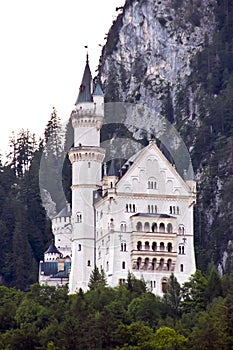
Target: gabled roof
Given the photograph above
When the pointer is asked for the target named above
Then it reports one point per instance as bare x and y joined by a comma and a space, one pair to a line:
136, 159
85, 87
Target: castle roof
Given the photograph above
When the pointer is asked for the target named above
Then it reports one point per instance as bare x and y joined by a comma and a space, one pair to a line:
64, 212
85, 87
98, 91
52, 249
155, 215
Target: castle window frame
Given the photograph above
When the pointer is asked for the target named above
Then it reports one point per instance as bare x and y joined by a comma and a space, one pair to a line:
79, 217
169, 228
139, 245
123, 265
139, 226
181, 249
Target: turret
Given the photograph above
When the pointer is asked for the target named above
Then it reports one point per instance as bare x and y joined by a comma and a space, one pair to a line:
86, 157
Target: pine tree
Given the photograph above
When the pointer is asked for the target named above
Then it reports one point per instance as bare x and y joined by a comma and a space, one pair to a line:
97, 279
173, 296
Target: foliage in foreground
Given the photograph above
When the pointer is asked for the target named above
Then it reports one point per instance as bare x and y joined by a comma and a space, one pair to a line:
127, 317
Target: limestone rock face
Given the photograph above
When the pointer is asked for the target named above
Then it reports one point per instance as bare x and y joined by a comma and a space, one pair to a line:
149, 48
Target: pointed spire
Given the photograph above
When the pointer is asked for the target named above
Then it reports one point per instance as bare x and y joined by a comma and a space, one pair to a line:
85, 87
52, 248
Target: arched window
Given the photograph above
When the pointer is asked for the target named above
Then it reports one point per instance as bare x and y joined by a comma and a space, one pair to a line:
147, 227
123, 265
161, 247
154, 246
162, 227
107, 266
146, 264
169, 247
121, 247
127, 208
177, 210
88, 263
79, 247
134, 208
123, 227
154, 227
181, 230
161, 264
153, 264
139, 226
164, 285
181, 268
139, 261
139, 245
181, 249
124, 247
169, 228
170, 209
147, 246
169, 264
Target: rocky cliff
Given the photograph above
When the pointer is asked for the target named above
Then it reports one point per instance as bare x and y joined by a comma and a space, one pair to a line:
165, 55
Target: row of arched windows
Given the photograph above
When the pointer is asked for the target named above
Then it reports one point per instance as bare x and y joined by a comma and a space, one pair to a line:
154, 247
154, 227
154, 264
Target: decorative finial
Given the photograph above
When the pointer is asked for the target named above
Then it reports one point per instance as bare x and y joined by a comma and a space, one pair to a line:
87, 59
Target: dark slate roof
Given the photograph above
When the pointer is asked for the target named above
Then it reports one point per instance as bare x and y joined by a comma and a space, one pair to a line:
49, 268
53, 249
98, 91
85, 87
112, 171
148, 215
64, 212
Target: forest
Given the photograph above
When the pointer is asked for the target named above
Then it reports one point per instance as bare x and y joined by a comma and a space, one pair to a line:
128, 317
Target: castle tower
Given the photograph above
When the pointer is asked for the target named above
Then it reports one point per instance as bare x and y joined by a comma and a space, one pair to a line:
86, 157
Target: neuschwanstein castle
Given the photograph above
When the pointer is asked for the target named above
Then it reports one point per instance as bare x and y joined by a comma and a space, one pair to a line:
139, 219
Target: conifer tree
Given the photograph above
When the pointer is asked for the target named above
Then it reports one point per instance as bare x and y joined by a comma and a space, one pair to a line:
97, 279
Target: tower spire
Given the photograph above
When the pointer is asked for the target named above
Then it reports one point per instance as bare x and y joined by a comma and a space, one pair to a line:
85, 89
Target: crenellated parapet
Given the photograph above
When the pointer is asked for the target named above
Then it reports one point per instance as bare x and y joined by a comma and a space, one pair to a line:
87, 117
86, 153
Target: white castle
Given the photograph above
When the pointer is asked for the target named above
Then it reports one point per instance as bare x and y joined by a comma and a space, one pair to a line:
138, 220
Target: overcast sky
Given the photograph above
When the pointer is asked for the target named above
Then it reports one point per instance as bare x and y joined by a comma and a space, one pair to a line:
43, 56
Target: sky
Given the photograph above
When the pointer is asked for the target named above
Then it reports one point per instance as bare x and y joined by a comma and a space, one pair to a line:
42, 58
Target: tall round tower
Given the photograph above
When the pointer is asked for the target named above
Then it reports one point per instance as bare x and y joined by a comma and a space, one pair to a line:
86, 157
